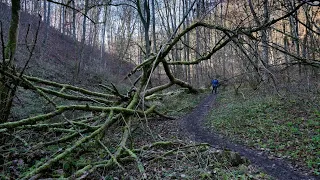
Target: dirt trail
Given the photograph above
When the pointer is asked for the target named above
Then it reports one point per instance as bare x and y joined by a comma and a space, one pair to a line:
193, 124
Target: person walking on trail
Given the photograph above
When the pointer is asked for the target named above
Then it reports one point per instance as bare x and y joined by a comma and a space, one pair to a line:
215, 84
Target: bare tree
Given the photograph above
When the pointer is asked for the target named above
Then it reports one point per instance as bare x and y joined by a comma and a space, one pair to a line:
6, 87
82, 43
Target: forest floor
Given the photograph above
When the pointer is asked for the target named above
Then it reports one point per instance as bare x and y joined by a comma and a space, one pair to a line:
193, 124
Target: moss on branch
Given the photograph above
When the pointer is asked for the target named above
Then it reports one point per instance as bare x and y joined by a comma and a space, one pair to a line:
72, 97
61, 109
105, 109
31, 120
175, 80
70, 87
139, 163
62, 155
158, 88
108, 163
61, 140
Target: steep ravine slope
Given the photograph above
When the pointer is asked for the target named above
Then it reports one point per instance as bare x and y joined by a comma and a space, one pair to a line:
56, 59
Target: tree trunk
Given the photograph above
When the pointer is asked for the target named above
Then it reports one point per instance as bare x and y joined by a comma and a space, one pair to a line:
44, 11
102, 50
144, 14
82, 45
286, 58
63, 20
74, 20
154, 27
265, 51
6, 90
295, 32
47, 20
264, 34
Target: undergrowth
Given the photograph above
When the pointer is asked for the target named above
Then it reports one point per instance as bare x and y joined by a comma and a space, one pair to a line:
161, 152
197, 163
287, 126
178, 103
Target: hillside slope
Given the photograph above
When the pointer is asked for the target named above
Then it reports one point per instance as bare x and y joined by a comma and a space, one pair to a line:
55, 60
57, 57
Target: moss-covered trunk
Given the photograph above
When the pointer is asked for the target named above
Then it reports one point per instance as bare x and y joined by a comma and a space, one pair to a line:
7, 90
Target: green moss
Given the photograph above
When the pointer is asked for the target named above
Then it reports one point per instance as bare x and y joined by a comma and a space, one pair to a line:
285, 126
178, 103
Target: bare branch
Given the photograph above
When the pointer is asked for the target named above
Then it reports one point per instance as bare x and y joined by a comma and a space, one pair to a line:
68, 6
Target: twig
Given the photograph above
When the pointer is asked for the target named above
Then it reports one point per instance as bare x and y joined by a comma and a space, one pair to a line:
61, 140
62, 155
25, 143
32, 48
177, 149
140, 165
111, 155
113, 90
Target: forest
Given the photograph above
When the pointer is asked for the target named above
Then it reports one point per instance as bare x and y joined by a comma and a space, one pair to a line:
121, 89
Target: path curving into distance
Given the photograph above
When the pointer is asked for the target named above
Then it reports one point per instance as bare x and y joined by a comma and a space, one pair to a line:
193, 125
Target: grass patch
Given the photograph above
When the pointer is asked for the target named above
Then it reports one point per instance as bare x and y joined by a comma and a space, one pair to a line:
287, 127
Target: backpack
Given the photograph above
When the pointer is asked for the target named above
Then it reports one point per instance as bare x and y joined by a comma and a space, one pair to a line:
215, 82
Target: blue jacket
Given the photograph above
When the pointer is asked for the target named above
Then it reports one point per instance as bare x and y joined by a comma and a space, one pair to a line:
215, 82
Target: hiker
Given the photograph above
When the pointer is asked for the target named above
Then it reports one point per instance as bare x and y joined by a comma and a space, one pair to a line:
215, 84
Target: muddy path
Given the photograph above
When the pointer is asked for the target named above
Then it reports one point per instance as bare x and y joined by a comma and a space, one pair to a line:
193, 125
